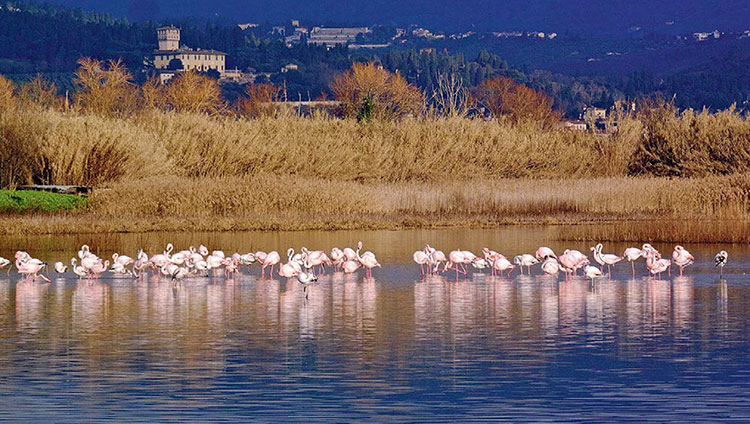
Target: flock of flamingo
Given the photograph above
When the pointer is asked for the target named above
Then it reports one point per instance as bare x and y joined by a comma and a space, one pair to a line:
306, 263
429, 260
200, 261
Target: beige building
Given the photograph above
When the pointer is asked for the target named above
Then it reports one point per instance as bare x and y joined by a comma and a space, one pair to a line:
192, 59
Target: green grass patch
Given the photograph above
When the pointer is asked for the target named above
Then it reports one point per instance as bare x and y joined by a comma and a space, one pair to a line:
25, 201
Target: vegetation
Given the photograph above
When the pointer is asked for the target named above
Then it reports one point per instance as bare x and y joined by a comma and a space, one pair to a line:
178, 157
51, 40
26, 201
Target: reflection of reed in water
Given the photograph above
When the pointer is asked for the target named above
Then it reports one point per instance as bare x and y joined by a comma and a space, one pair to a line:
30, 301
682, 303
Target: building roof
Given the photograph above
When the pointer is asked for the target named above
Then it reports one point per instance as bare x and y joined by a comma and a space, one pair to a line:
190, 51
167, 27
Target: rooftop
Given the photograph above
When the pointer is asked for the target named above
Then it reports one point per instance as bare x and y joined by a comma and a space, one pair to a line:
167, 27
190, 51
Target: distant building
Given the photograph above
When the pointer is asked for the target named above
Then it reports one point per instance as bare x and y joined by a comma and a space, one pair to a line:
574, 125
247, 25
289, 67
279, 30
191, 59
331, 37
592, 114
295, 23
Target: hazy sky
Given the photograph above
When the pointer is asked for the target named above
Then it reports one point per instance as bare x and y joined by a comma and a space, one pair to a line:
547, 15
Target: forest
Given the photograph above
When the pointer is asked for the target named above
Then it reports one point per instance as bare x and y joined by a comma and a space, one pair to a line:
40, 38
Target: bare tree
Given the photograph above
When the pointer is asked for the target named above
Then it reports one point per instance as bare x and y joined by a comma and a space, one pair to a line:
450, 97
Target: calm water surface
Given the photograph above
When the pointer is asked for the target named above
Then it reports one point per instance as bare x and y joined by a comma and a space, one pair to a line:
389, 349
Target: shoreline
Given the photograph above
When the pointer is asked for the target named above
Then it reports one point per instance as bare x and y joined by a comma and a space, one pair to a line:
664, 229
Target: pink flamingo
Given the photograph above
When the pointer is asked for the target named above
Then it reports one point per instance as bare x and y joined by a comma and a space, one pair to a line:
369, 262
316, 258
436, 257
544, 252
501, 264
655, 264
457, 258
273, 258
605, 258
682, 258
30, 267
632, 254
350, 267
337, 255
98, 268
422, 259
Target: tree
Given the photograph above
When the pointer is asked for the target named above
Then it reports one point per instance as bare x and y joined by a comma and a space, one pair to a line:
391, 95
191, 92
258, 100
502, 96
105, 88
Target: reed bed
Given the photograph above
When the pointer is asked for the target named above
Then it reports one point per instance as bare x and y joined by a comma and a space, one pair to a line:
273, 202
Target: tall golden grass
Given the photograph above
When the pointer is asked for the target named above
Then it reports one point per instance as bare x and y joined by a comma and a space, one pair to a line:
171, 159
691, 207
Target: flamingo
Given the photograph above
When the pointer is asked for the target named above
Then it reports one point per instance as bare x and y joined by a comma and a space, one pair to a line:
98, 268
60, 268
525, 260
368, 261
436, 257
457, 258
479, 263
592, 272
422, 259
350, 267
3, 262
655, 264
632, 254
550, 266
605, 258
682, 258
77, 269
544, 253
720, 260
273, 258
501, 264
317, 258
30, 267
337, 255
306, 278
203, 250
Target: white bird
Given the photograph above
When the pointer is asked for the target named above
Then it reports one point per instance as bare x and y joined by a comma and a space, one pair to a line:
720, 260
525, 260
60, 268
550, 266
3, 262
631, 255
306, 278
592, 272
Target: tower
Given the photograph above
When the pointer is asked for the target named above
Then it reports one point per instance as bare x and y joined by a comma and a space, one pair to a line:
169, 38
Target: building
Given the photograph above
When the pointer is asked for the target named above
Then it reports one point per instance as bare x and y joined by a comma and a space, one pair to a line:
191, 59
574, 125
331, 37
289, 67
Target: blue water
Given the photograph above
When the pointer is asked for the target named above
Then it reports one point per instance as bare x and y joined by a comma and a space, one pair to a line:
390, 349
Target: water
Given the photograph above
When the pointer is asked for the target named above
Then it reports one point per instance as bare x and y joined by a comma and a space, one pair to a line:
388, 349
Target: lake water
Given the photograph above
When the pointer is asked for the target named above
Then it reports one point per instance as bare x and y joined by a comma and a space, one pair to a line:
389, 349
